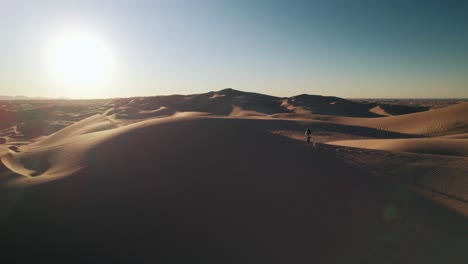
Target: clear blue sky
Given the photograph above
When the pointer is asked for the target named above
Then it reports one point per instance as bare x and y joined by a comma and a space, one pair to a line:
342, 48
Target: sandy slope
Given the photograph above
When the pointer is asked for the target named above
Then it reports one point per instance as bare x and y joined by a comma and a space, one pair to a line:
237, 103
447, 120
439, 146
225, 177
379, 111
327, 105
225, 102
450, 122
441, 178
205, 190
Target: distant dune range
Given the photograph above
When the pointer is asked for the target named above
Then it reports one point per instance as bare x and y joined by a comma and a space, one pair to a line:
443, 121
227, 177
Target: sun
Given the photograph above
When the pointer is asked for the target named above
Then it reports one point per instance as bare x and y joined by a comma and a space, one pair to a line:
80, 63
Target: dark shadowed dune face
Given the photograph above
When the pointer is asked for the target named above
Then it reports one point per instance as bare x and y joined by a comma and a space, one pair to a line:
330, 105
205, 190
394, 109
216, 103
224, 102
226, 177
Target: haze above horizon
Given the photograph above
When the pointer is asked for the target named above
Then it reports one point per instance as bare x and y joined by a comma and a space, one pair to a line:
350, 49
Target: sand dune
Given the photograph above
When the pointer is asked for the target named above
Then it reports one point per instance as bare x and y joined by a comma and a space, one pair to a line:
443, 121
438, 146
222, 102
385, 109
229, 101
328, 105
227, 177
205, 195
43, 117
379, 111
441, 178
61, 153
459, 136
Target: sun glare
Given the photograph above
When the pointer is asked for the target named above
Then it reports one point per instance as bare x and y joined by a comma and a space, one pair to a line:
80, 62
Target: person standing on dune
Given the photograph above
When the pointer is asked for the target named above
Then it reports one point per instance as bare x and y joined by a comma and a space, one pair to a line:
308, 134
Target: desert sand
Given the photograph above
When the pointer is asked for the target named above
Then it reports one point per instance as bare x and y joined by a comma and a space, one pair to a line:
227, 177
